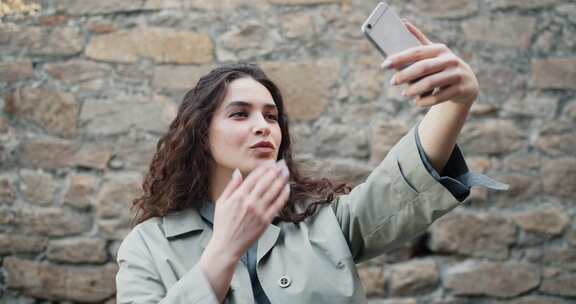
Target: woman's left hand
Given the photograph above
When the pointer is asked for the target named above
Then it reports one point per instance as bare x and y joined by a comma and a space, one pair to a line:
432, 65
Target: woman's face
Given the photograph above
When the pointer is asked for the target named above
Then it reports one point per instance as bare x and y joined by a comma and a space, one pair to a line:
244, 130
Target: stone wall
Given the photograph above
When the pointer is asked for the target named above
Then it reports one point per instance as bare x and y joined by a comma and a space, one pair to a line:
89, 86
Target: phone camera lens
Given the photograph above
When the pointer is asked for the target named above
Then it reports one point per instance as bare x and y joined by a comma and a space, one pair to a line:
369, 26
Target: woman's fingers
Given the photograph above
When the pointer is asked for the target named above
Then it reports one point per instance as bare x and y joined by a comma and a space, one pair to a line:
252, 178
445, 93
263, 184
278, 203
423, 68
429, 83
234, 182
274, 190
416, 32
411, 55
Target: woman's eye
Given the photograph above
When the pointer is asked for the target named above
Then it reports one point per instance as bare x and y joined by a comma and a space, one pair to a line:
272, 117
239, 114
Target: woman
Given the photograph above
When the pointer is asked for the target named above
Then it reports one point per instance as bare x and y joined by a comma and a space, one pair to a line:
226, 216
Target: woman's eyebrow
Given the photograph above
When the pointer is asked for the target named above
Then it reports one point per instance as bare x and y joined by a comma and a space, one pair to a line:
240, 103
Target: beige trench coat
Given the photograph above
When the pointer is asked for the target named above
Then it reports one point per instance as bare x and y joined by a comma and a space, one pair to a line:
310, 263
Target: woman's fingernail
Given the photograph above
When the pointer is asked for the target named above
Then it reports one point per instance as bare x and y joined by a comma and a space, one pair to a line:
386, 64
236, 174
393, 80
403, 93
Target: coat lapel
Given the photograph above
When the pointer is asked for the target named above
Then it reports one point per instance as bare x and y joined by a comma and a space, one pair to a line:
267, 241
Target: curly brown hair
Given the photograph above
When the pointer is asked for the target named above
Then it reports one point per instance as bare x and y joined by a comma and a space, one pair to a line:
179, 174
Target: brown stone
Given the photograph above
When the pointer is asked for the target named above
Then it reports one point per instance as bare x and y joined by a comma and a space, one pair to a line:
14, 244
207, 5
101, 27
299, 25
367, 84
117, 193
51, 222
158, 44
563, 257
61, 41
537, 300
92, 156
55, 41
480, 109
249, 40
133, 152
53, 111
88, 7
534, 104
507, 279
550, 221
570, 110
114, 229
107, 117
571, 237
445, 9
76, 71
506, 31
46, 153
46, 281
7, 193
304, 82
520, 163
562, 285
523, 4
479, 164
52, 153
336, 169
14, 39
414, 277
492, 137
81, 188
490, 79
523, 187
557, 138
334, 140
37, 187
554, 73
15, 71
559, 176
385, 135
54, 20
474, 235
373, 280
302, 2
84, 250
179, 78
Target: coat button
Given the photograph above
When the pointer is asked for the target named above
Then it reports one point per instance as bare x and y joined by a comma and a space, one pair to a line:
284, 281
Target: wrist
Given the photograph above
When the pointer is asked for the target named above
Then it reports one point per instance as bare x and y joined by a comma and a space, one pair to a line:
224, 253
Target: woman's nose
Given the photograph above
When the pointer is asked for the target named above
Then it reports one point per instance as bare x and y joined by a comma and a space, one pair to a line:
261, 126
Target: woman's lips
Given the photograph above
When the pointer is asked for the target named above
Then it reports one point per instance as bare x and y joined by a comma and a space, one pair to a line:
263, 149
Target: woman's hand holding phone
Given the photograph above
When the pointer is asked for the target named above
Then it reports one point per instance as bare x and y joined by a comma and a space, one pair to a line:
429, 66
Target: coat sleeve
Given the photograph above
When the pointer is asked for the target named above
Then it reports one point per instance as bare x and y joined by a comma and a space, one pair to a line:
139, 281
398, 200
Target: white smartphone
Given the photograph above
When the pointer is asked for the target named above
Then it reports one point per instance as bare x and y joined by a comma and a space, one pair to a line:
387, 33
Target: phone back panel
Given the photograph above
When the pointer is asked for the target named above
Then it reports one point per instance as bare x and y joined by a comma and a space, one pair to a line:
387, 32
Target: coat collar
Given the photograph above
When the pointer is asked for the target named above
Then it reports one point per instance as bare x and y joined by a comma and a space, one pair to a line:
189, 220
181, 222
267, 241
